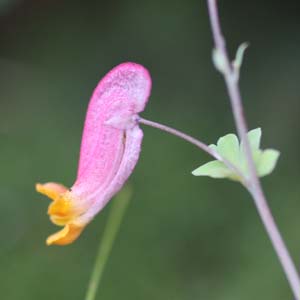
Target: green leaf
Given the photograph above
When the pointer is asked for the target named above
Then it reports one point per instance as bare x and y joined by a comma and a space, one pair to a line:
213, 147
219, 60
267, 162
214, 169
237, 63
254, 137
228, 148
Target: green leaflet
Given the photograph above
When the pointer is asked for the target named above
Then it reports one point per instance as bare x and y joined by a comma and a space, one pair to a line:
214, 169
237, 63
254, 137
267, 162
229, 148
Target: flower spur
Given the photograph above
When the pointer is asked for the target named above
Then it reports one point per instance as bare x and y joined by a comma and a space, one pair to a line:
110, 148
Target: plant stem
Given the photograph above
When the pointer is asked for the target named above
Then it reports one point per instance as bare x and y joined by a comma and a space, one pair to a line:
110, 232
254, 186
195, 142
182, 135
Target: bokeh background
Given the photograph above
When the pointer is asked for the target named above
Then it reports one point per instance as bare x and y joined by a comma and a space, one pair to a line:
183, 237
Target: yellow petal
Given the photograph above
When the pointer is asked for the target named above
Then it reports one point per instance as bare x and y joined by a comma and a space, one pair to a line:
65, 236
61, 221
51, 189
61, 207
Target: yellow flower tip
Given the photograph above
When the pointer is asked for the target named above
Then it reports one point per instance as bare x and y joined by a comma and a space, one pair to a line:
65, 236
61, 207
51, 189
61, 221
63, 211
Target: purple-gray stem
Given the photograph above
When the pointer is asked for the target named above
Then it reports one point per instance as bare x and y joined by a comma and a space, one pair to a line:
195, 142
182, 135
254, 186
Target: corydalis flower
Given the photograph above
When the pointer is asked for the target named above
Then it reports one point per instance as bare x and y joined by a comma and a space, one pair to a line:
110, 148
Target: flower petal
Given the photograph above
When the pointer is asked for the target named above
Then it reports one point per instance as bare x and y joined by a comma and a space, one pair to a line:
65, 236
122, 93
133, 142
52, 190
110, 148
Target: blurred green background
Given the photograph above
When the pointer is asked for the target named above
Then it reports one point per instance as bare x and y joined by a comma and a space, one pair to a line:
183, 237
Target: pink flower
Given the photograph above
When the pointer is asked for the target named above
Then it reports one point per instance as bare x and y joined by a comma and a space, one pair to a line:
110, 148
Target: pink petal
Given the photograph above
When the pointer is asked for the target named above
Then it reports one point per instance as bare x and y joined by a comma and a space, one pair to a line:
105, 160
134, 138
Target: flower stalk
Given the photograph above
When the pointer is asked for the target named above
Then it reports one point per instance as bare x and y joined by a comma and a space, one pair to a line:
254, 186
201, 145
